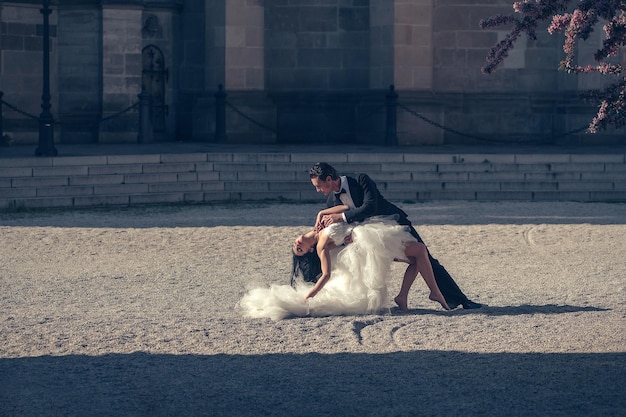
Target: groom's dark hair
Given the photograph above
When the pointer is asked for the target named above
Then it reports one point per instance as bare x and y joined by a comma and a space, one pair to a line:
322, 170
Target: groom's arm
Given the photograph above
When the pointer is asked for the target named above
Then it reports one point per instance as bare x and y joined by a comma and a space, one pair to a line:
371, 197
324, 217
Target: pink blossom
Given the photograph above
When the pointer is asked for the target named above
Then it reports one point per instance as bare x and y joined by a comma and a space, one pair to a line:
577, 20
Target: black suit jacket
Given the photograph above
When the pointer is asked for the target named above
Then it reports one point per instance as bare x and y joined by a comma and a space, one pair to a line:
368, 201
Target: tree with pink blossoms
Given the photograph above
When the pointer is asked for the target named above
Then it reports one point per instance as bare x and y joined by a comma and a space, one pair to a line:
577, 19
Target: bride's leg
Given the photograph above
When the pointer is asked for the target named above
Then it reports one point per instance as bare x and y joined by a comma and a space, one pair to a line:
420, 253
409, 277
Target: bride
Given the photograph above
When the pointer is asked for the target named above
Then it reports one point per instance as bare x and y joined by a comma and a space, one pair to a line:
344, 269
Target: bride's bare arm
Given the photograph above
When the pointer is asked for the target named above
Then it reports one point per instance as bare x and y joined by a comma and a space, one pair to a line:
324, 246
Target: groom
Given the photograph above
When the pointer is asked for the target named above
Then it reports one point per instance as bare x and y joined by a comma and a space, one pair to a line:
362, 196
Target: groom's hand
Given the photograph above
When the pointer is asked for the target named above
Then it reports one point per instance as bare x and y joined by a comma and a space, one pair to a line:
332, 218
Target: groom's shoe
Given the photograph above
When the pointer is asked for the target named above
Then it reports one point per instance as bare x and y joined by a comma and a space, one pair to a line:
468, 305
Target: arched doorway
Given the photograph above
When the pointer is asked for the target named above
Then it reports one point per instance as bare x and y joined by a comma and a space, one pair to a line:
153, 78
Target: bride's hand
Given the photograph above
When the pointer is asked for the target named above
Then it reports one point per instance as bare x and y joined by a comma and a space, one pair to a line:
323, 223
329, 219
318, 222
311, 294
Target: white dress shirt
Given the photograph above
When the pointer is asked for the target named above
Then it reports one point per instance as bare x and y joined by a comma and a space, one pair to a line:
346, 198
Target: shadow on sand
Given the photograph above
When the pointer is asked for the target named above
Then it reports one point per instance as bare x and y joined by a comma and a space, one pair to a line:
506, 310
280, 214
419, 383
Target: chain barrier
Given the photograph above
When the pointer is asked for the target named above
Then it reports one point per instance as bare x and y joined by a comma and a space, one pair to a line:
22, 112
119, 113
57, 122
544, 140
250, 119
104, 119
273, 130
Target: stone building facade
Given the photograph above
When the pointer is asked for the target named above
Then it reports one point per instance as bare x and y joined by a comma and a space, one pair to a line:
293, 71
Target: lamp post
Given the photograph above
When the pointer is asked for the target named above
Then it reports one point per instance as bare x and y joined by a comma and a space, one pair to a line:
46, 129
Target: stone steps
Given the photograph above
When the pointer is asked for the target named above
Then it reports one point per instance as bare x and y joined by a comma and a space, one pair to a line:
83, 181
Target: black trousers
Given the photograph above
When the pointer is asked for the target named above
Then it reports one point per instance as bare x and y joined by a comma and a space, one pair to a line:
450, 290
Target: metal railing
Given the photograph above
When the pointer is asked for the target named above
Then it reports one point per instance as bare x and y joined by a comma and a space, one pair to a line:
392, 105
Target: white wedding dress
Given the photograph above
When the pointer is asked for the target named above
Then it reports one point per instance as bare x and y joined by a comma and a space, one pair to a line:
360, 275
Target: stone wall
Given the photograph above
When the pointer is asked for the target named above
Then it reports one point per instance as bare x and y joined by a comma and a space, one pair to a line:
80, 67
411, 25
294, 71
95, 66
526, 99
244, 45
313, 46
460, 49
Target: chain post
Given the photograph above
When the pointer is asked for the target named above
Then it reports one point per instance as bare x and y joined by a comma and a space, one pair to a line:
220, 114
145, 121
391, 136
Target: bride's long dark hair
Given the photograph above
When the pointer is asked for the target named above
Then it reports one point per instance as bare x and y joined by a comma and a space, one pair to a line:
307, 265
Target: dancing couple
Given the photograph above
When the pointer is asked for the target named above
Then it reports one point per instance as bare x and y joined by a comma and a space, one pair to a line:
342, 265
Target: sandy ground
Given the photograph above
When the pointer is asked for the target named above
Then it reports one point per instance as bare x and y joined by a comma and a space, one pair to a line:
133, 312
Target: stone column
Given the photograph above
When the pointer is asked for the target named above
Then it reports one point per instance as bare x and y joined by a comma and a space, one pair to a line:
235, 58
244, 45
235, 44
401, 44
79, 73
121, 70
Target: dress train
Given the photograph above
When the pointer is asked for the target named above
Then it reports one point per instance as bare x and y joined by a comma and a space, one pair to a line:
360, 275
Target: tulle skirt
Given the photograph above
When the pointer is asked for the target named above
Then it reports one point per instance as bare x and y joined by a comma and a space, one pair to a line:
359, 280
